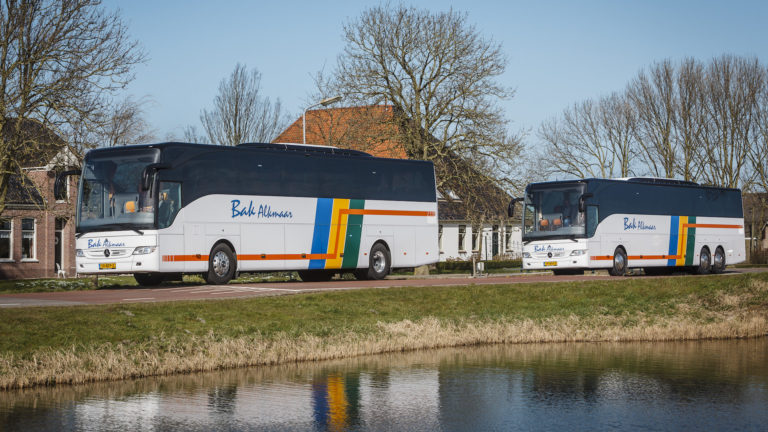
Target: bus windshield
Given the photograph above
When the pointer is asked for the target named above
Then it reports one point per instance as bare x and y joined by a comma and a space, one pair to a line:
111, 197
552, 212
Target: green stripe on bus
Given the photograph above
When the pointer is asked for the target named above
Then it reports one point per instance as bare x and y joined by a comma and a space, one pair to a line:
690, 246
354, 232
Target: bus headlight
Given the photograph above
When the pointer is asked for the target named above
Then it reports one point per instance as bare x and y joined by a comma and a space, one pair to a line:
80, 253
526, 255
144, 250
579, 252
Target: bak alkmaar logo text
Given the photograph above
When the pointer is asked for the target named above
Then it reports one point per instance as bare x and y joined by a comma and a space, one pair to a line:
263, 211
105, 243
634, 224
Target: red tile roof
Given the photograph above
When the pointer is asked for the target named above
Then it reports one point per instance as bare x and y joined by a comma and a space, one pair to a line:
367, 128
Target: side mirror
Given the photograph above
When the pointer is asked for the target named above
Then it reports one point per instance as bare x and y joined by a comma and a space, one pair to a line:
582, 205
511, 207
148, 173
59, 186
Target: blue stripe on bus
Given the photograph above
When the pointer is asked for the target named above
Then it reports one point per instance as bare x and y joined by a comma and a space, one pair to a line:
673, 238
322, 231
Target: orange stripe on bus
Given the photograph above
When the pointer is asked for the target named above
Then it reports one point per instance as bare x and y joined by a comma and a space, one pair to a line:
636, 257
181, 258
695, 225
334, 255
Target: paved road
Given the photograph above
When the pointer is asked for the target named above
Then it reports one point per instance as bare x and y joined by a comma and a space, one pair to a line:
209, 292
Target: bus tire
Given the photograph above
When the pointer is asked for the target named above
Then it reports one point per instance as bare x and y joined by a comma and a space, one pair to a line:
705, 261
620, 262
221, 265
718, 261
149, 279
316, 275
379, 262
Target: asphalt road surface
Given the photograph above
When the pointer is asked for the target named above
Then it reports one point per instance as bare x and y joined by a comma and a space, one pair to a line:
211, 292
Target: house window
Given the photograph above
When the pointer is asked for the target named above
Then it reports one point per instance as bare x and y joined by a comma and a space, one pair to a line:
475, 237
28, 239
462, 237
440, 237
6, 246
508, 237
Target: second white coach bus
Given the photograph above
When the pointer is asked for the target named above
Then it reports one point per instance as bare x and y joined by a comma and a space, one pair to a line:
159, 211
655, 224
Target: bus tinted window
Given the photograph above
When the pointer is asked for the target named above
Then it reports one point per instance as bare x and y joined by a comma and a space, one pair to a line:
637, 198
275, 173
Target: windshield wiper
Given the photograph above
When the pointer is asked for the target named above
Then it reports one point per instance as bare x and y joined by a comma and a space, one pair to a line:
129, 227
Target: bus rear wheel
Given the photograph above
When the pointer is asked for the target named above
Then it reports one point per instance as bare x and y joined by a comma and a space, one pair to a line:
316, 275
149, 279
718, 263
619, 262
705, 261
221, 265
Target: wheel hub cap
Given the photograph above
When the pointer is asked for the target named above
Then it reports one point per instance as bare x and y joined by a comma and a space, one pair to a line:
220, 264
379, 262
618, 262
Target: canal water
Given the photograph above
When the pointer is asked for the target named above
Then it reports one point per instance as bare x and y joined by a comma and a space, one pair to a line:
710, 385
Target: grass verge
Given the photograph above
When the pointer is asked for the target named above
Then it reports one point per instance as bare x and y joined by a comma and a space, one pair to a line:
94, 343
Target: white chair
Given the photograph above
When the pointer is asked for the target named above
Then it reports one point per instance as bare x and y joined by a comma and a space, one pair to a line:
60, 272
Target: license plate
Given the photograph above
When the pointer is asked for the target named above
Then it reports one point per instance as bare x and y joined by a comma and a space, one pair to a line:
550, 263
106, 266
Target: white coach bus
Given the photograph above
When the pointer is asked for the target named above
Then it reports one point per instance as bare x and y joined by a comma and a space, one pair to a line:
655, 224
159, 211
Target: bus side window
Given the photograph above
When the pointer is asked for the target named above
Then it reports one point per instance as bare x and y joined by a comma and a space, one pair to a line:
169, 203
592, 219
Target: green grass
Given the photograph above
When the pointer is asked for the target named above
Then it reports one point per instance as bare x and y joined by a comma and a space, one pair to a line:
26, 330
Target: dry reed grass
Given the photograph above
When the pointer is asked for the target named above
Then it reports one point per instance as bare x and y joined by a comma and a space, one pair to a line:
170, 356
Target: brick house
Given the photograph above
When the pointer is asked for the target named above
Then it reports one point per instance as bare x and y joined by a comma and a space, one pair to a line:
373, 129
37, 231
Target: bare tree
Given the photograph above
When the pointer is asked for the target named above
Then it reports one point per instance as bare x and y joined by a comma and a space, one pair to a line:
439, 73
733, 85
591, 139
60, 61
126, 125
240, 113
690, 120
653, 96
619, 121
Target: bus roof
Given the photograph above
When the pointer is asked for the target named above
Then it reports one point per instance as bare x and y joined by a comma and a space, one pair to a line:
658, 181
306, 148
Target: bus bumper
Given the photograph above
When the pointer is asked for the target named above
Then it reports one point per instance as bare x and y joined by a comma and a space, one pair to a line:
554, 255
568, 262
131, 264
117, 254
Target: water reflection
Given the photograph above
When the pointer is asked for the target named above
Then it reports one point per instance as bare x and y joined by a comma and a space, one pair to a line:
667, 386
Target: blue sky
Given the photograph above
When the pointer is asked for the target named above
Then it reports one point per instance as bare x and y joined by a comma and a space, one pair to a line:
559, 52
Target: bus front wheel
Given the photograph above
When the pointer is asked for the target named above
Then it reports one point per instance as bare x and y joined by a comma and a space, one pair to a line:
619, 262
379, 262
221, 265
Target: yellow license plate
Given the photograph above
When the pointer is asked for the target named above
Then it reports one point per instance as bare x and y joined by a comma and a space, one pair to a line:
550, 263
106, 266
